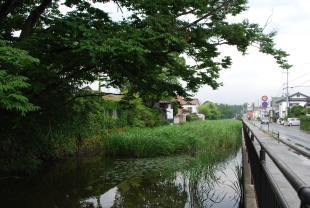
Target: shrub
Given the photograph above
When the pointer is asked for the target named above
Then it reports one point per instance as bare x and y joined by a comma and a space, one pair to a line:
190, 118
305, 123
142, 116
83, 124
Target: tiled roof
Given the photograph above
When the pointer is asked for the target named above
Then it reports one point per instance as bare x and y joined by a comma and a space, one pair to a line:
298, 93
194, 101
87, 88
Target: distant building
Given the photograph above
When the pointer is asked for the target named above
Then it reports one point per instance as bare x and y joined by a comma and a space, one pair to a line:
274, 106
292, 100
257, 112
190, 106
167, 110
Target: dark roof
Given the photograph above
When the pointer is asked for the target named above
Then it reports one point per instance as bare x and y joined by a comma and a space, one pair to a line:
299, 94
192, 101
87, 88
164, 101
290, 98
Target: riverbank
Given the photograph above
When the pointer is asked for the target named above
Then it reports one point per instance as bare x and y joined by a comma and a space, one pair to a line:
187, 139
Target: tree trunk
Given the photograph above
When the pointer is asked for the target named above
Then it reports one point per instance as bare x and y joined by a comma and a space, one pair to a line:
33, 18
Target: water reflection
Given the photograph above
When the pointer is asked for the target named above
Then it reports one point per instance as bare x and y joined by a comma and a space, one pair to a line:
104, 182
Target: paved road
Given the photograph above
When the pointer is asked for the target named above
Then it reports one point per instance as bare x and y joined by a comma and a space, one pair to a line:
291, 134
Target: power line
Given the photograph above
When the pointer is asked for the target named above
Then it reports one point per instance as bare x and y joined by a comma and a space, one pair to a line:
304, 83
300, 86
302, 68
279, 91
299, 77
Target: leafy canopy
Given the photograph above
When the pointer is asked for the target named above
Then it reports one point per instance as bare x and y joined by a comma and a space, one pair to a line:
210, 110
11, 85
142, 53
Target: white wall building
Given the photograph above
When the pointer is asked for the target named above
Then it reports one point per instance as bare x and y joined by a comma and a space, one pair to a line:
190, 106
257, 112
294, 99
167, 109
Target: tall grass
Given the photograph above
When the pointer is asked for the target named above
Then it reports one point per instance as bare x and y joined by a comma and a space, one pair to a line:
238, 185
201, 138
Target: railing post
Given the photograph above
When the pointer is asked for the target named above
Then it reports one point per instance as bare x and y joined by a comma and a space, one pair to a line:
252, 137
263, 180
262, 155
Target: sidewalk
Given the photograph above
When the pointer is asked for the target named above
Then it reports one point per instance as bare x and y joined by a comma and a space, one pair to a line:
300, 165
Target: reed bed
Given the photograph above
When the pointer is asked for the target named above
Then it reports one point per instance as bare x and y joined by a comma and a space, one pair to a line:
205, 139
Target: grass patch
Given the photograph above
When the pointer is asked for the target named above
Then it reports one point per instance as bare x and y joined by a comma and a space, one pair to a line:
299, 145
204, 137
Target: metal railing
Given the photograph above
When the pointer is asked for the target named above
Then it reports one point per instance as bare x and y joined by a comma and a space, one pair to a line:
267, 192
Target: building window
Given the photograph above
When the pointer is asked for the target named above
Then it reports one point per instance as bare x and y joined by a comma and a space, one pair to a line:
107, 113
115, 114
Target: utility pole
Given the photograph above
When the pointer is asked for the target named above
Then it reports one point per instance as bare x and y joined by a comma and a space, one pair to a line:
287, 103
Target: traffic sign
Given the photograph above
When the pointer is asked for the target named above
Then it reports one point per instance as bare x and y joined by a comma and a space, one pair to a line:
264, 98
264, 104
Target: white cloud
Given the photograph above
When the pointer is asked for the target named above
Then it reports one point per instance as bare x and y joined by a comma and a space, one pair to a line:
256, 74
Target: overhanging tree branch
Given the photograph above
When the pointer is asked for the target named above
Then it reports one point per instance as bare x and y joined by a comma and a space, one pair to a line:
8, 6
224, 6
88, 95
33, 18
185, 13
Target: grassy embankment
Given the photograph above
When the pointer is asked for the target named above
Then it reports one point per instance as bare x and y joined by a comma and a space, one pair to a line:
208, 139
214, 137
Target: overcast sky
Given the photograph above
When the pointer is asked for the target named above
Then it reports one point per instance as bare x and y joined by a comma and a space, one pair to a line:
255, 75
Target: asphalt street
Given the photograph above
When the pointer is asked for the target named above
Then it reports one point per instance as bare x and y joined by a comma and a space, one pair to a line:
290, 134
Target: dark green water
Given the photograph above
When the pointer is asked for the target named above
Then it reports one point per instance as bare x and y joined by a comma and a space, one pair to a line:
97, 181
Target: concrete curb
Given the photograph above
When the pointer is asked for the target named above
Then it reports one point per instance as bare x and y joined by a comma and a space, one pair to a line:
248, 188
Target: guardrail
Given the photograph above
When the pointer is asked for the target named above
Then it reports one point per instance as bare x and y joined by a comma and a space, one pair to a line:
267, 192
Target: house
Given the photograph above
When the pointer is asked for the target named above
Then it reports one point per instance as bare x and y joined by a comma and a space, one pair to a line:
167, 110
292, 100
258, 112
307, 104
87, 88
189, 106
274, 108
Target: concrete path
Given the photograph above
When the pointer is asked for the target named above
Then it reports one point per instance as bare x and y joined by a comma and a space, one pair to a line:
300, 165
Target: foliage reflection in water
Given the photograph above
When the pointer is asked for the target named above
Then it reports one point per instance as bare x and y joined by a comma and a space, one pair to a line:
179, 181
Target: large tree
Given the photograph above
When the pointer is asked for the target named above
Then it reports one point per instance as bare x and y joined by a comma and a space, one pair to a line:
227, 111
210, 110
143, 53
